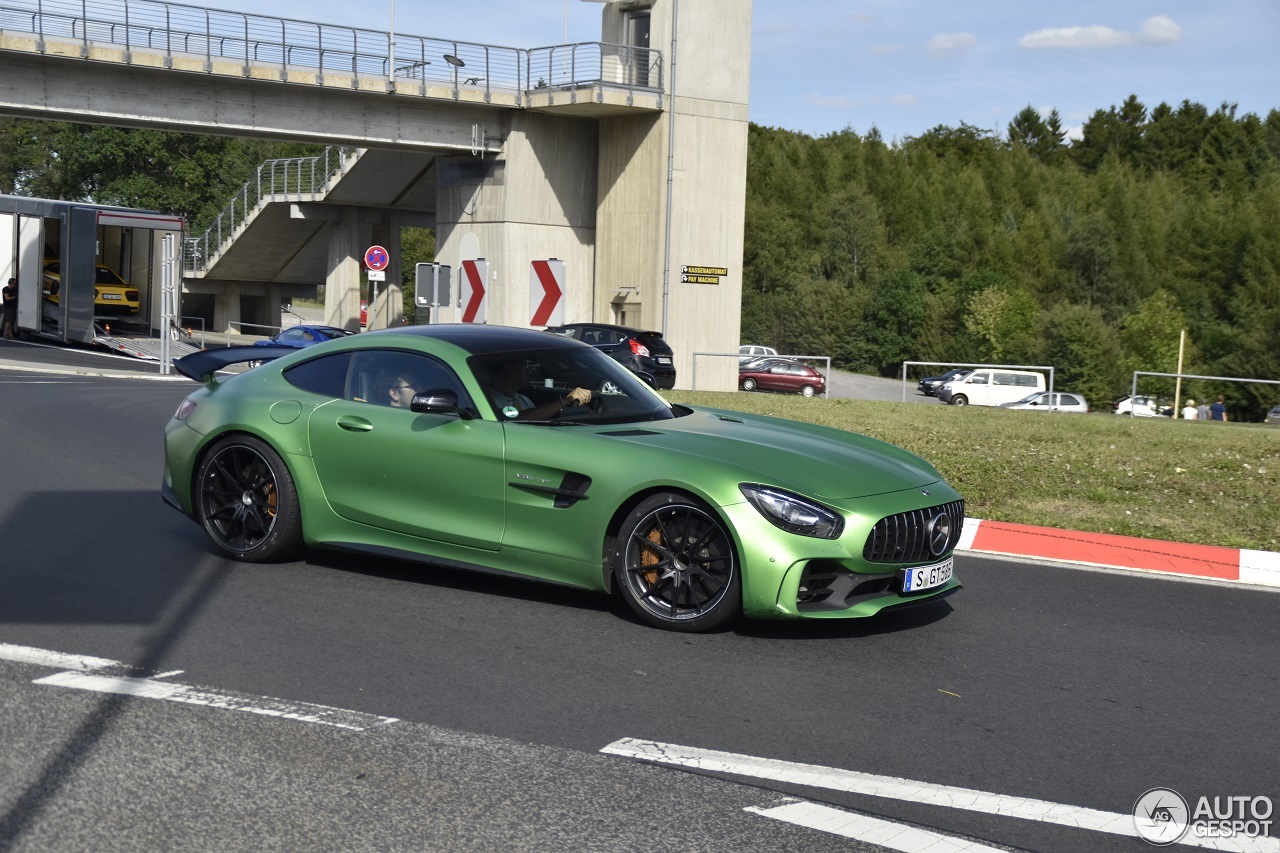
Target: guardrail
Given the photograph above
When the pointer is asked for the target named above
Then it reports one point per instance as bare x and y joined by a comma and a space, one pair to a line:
178, 29
293, 177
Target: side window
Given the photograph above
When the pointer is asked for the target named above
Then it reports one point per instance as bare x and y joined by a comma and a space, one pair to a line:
978, 379
392, 377
290, 335
326, 375
610, 337
1005, 379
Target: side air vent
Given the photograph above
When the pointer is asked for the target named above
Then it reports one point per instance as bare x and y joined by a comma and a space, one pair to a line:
631, 433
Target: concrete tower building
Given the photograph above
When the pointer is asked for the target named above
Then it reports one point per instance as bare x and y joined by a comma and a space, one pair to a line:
645, 207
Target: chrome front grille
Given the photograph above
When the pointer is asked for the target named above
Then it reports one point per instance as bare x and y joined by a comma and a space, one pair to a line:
905, 537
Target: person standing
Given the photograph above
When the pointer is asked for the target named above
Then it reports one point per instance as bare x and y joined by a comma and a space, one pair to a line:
9, 315
1218, 411
1189, 412
1202, 411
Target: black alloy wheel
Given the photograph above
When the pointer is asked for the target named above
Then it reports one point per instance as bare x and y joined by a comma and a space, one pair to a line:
246, 500
676, 566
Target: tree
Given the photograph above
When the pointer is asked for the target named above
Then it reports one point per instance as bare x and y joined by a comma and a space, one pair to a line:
1003, 320
1083, 350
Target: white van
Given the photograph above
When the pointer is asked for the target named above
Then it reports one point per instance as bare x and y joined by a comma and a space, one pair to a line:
991, 386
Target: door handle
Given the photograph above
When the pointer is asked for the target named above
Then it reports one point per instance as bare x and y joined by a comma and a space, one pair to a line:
354, 424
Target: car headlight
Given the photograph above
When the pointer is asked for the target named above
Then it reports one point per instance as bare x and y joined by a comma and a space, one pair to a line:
793, 513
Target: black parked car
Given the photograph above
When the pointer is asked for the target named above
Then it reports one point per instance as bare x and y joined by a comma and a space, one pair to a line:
930, 384
645, 354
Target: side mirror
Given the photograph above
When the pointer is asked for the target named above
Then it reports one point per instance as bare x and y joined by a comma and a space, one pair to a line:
439, 401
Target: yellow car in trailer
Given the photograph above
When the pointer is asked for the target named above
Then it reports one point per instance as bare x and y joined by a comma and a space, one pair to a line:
111, 294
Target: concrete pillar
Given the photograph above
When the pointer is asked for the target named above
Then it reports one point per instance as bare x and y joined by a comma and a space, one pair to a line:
342, 282
226, 308
535, 201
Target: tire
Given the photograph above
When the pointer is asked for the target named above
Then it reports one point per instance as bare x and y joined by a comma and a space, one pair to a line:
807, 391
246, 501
748, 385
959, 400
675, 565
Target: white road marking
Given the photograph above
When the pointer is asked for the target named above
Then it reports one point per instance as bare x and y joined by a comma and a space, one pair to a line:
872, 830
83, 673
925, 793
57, 660
149, 688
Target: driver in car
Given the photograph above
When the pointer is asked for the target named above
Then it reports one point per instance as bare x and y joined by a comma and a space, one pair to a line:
504, 392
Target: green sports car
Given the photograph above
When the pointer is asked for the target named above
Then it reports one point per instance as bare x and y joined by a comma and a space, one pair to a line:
521, 453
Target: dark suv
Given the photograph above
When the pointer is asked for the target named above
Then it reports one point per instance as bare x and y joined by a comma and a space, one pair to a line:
645, 354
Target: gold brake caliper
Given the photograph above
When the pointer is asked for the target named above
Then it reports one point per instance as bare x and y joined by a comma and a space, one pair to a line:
649, 559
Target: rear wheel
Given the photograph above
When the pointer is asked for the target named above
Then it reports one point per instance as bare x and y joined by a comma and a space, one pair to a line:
675, 564
807, 391
959, 400
246, 500
748, 385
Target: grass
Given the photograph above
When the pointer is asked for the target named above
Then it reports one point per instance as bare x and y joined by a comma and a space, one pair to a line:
1204, 483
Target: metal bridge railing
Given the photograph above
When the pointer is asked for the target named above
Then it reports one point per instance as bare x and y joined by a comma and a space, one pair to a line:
295, 177
177, 29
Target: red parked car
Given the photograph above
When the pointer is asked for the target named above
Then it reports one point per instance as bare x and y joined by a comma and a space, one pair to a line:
780, 374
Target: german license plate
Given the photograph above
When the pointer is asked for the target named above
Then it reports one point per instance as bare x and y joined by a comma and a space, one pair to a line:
927, 577
117, 297
662, 359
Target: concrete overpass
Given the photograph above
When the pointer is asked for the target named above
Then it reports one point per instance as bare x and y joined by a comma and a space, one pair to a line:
589, 153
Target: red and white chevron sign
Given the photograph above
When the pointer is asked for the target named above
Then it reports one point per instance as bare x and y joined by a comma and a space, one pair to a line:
546, 293
475, 275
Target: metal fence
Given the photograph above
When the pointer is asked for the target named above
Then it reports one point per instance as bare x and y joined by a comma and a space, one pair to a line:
298, 178
177, 29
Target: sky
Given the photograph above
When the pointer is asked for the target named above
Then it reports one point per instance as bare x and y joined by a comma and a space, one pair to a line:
906, 66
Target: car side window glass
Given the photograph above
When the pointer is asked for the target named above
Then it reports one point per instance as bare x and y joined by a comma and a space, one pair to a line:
326, 375
978, 379
290, 335
392, 377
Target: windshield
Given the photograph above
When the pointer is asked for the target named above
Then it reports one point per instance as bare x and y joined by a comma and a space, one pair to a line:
535, 385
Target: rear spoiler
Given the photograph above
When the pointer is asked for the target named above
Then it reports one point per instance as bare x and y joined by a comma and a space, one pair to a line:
201, 365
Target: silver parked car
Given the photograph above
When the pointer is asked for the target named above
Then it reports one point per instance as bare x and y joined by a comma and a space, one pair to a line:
1273, 416
1040, 402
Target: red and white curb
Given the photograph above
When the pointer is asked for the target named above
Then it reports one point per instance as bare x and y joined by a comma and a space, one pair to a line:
1120, 552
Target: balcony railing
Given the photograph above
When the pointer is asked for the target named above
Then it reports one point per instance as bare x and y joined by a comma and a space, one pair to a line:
179, 30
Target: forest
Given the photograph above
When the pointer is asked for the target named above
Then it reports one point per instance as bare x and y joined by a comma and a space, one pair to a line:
1091, 255
963, 244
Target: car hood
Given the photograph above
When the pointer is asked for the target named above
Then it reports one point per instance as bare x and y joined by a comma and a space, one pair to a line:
816, 461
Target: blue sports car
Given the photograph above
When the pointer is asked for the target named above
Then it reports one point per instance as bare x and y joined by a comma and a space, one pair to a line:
301, 336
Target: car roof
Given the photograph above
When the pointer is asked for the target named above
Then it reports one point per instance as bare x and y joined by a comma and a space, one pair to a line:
483, 339
627, 329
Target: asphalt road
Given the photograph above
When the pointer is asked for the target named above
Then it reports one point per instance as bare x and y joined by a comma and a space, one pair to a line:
1075, 687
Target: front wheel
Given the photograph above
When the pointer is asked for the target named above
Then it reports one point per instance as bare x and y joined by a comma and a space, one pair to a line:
959, 400
748, 385
675, 564
246, 500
